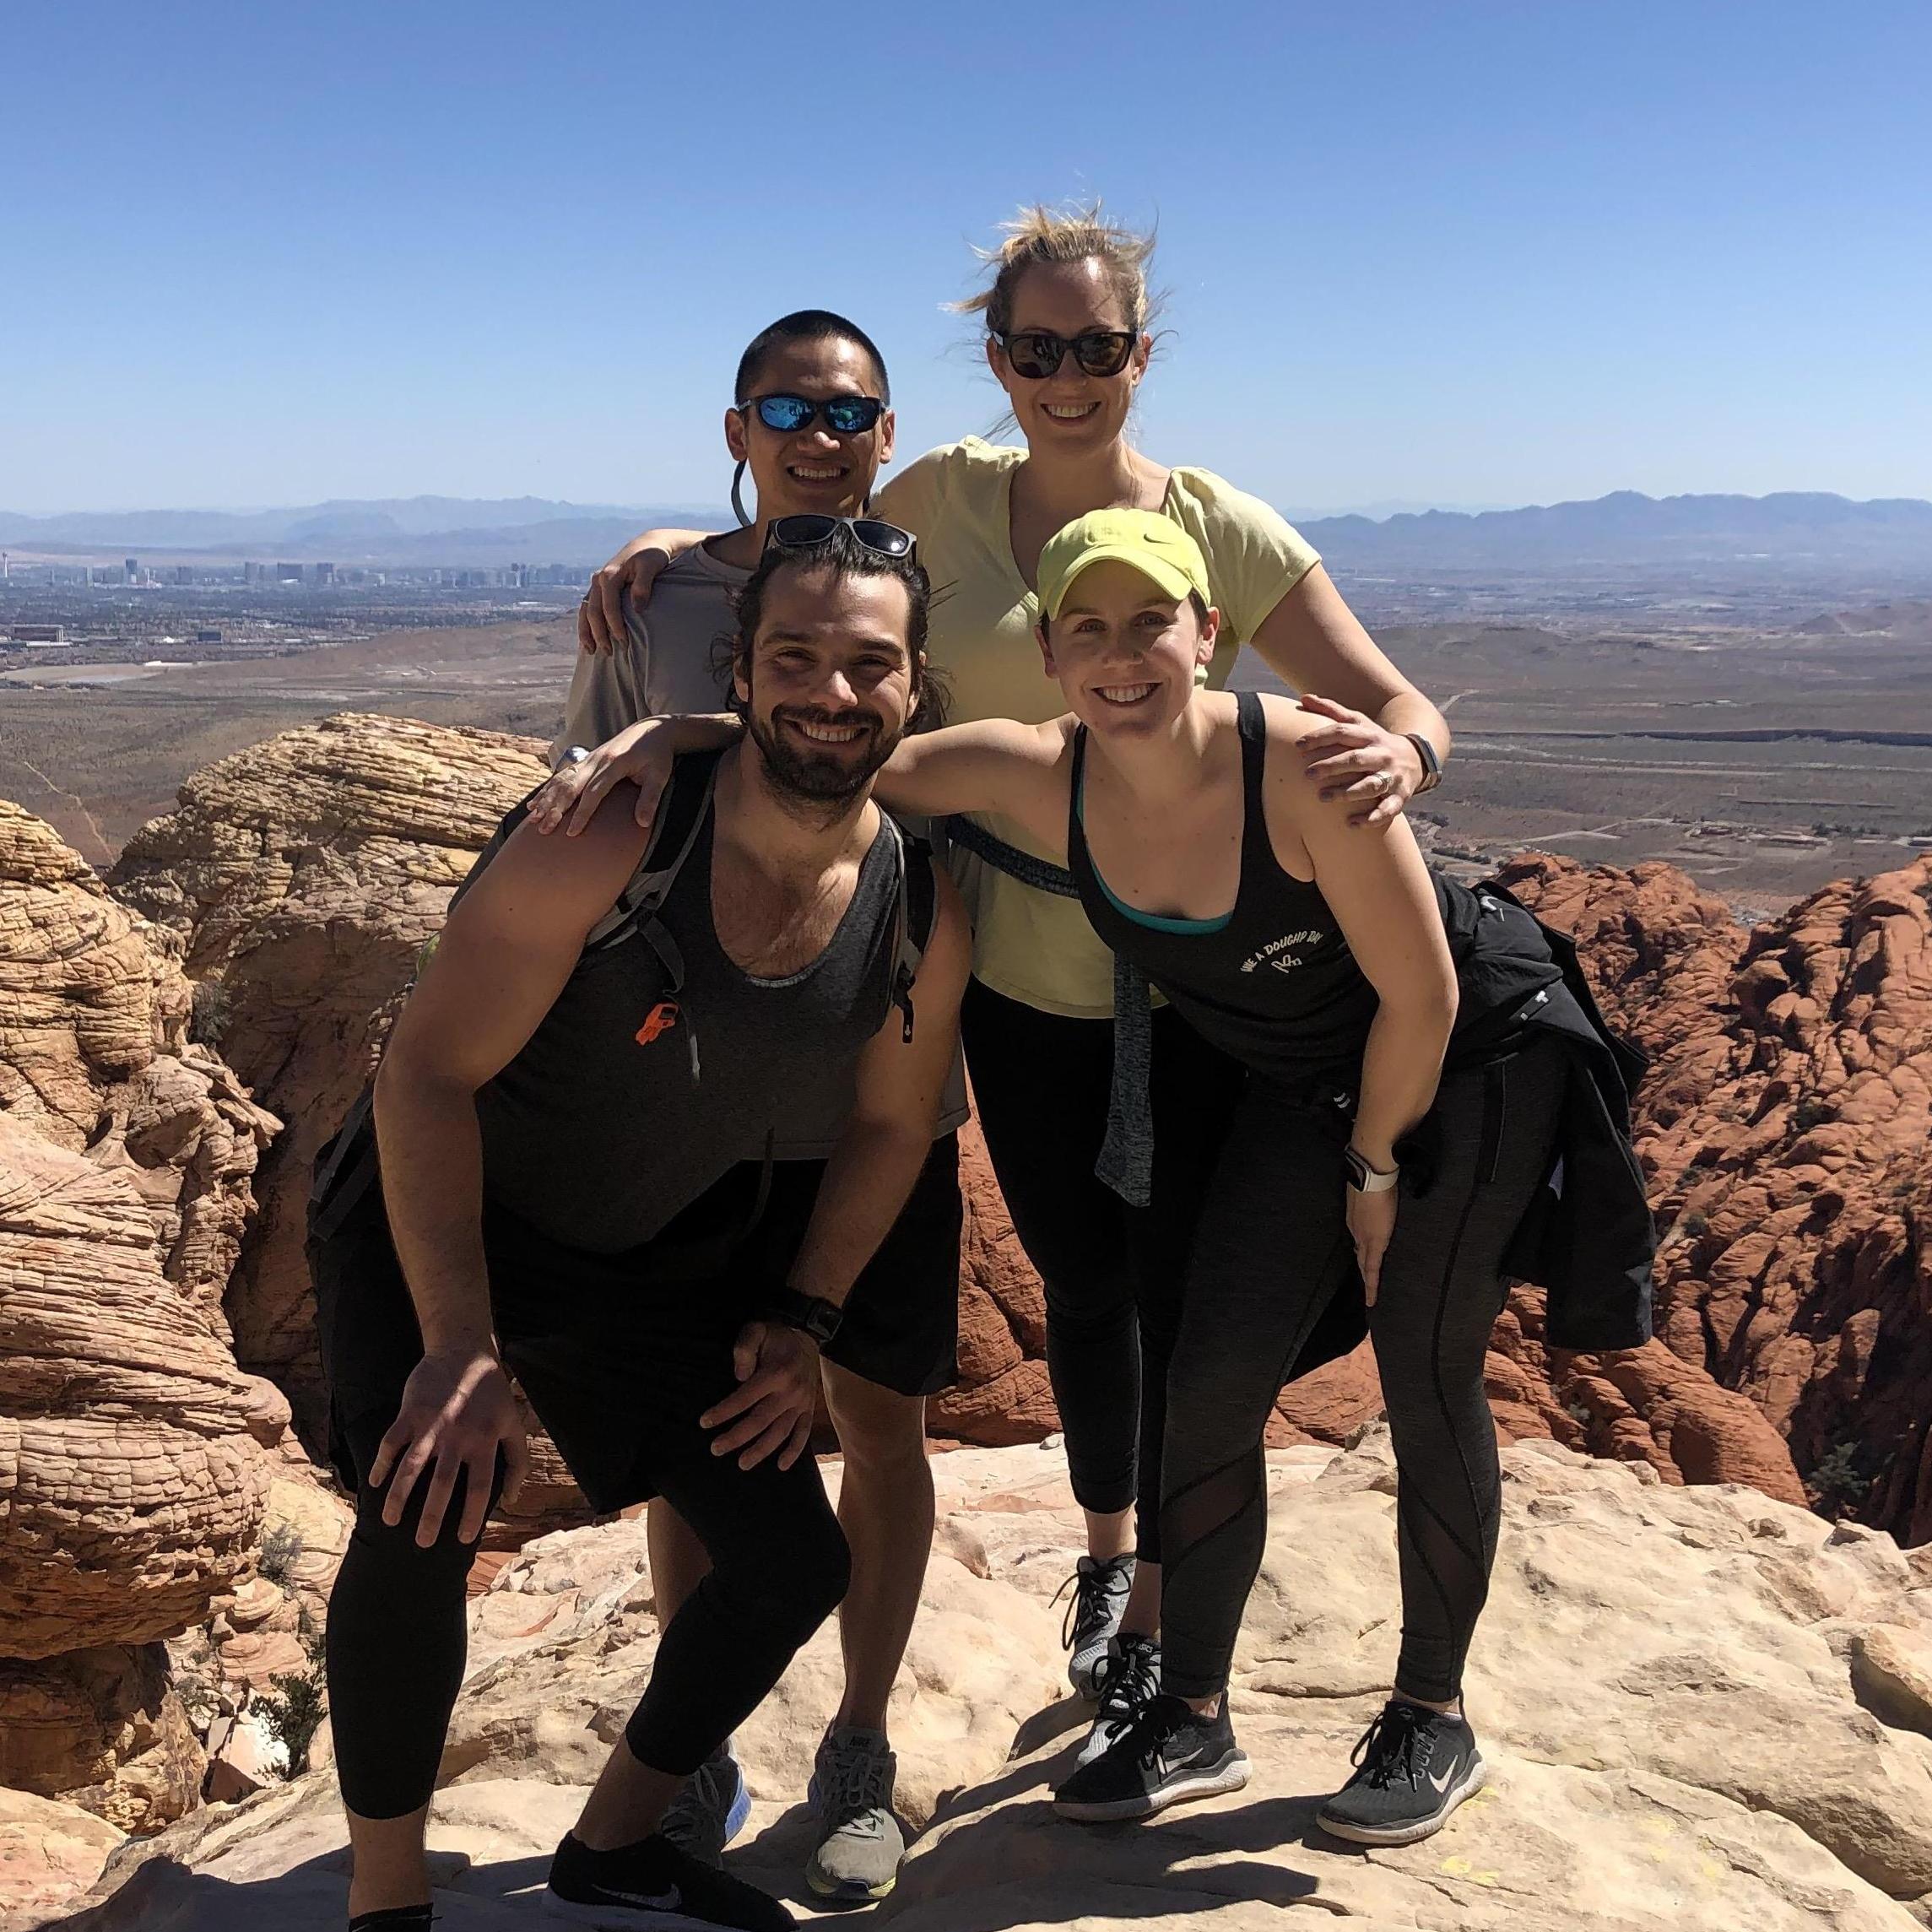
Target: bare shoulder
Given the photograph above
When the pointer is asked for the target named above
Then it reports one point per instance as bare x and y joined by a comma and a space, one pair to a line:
559, 879
1288, 725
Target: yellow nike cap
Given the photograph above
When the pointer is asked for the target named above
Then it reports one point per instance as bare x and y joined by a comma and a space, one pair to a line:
1155, 545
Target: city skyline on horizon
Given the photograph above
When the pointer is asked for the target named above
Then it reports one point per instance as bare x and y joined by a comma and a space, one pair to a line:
1471, 257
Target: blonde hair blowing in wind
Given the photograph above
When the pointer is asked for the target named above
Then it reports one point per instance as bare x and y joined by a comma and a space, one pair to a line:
1040, 236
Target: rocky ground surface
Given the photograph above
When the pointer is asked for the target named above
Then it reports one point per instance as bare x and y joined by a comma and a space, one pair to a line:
1701, 1709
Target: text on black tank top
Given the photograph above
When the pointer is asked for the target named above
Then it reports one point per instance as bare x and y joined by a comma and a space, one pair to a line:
605, 1125
1276, 985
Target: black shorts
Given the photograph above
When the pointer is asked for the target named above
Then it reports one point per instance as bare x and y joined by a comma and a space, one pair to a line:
901, 1327
598, 1341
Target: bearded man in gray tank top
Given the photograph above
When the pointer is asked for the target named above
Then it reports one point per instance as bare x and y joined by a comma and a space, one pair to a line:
809, 427
574, 1121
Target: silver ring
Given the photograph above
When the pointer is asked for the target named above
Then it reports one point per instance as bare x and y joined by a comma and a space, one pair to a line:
1383, 781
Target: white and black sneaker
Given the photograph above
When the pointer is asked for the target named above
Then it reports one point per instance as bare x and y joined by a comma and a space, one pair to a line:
1128, 1680
1099, 1587
1170, 1752
653, 1884
1415, 1767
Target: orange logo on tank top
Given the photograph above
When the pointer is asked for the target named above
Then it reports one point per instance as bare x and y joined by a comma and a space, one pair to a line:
658, 1022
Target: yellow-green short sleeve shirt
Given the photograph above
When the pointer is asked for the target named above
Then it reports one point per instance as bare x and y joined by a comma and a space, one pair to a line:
956, 500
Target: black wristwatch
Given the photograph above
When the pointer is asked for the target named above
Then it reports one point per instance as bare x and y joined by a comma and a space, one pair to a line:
811, 1313
1431, 765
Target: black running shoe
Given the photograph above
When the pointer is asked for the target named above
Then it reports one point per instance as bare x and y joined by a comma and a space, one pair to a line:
652, 1883
1169, 1753
1099, 1587
1417, 1765
395, 1918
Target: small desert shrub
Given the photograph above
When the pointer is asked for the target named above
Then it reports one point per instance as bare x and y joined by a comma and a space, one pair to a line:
1810, 1112
279, 1552
1697, 1222
293, 1712
1839, 1482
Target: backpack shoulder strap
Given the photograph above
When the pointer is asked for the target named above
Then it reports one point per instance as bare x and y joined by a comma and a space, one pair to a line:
680, 816
918, 905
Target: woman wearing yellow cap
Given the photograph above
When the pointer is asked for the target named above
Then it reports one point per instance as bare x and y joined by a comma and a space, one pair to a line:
1418, 1060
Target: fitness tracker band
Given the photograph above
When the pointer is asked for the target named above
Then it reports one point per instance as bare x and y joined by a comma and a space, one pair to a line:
1366, 1179
1431, 765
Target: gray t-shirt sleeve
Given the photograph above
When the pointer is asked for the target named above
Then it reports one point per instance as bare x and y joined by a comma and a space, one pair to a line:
608, 690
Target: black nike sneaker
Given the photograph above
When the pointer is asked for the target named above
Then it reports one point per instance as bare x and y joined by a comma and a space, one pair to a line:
1415, 1767
1169, 1753
395, 1918
653, 1883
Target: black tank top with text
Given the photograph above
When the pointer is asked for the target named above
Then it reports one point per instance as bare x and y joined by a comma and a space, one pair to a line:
1274, 984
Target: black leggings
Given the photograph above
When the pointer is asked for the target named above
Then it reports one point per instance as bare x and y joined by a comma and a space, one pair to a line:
618, 1354
1273, 1250
1039, 1085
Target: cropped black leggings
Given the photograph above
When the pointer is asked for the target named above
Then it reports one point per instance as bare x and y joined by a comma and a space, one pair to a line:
1039, 1086
618, 1354
1273, 1249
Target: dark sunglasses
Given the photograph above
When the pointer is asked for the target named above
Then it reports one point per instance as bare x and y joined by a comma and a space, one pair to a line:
844, 415
804, 531
1035, 352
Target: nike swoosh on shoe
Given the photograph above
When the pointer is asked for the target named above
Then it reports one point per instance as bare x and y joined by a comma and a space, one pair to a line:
671, 1901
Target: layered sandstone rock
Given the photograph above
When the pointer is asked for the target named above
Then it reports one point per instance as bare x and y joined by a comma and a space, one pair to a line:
1783, 1129
96, 1057
48, 1852
302, 878
1673, 1689
135, 1464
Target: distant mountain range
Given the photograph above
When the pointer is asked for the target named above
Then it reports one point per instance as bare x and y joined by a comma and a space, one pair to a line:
1793, 530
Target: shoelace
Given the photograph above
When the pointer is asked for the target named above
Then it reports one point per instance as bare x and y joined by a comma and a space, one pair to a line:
1157, 1723
1090, 1610
856, 1781
1128, 1681
701, 1802
1400, 1741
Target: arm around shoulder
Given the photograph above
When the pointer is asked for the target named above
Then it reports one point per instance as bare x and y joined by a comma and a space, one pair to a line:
992, 766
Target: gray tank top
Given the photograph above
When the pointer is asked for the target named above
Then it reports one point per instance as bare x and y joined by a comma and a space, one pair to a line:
626, 1104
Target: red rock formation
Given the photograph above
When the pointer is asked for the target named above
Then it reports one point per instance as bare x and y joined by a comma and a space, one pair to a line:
1002, 1394
1783, 1129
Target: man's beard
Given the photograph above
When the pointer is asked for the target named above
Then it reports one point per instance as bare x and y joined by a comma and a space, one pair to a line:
826, 782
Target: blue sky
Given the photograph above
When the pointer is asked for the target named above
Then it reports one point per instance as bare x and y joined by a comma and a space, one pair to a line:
1463, 254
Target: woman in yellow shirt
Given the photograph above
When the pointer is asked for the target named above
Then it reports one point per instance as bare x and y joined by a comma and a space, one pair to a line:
1066, 314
